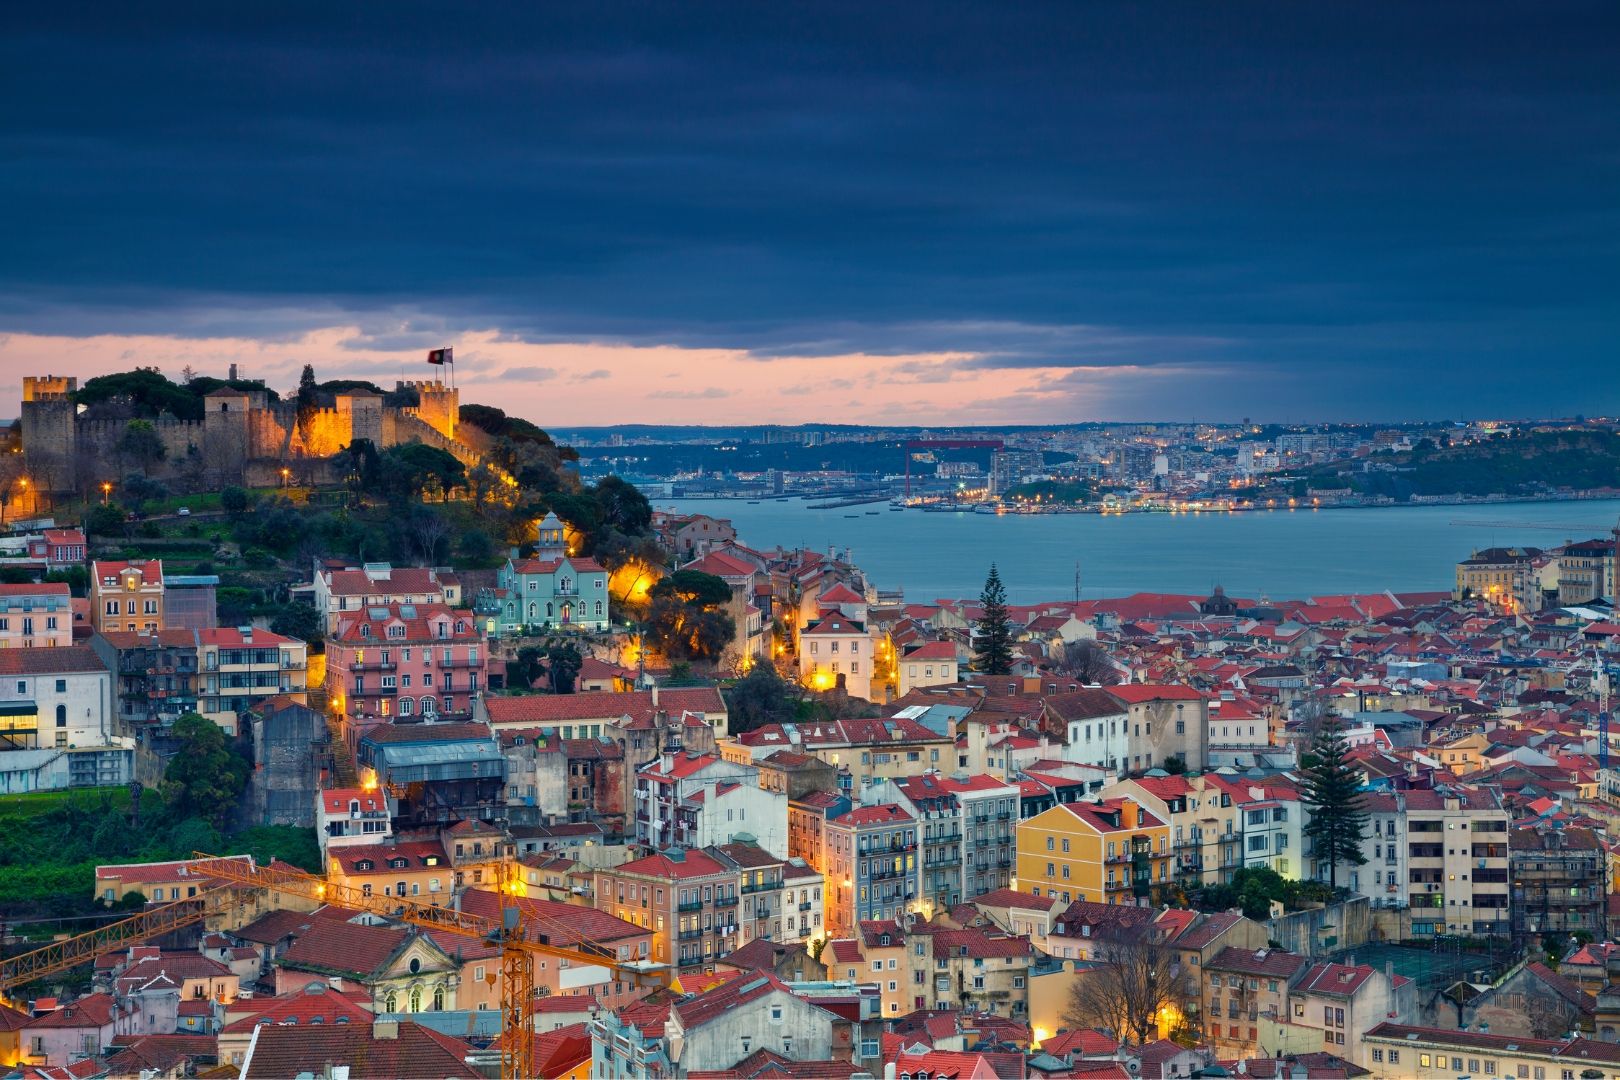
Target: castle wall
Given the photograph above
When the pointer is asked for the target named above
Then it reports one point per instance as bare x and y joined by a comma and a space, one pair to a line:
439, 406
242, 440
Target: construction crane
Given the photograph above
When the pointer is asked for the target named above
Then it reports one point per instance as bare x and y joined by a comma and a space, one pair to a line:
69, 953
520, 935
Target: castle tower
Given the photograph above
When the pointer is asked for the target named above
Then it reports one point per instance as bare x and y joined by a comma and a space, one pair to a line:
439, 406
49, 430
363, 412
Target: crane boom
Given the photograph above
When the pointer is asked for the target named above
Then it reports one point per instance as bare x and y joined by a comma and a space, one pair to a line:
521, 934
65, 955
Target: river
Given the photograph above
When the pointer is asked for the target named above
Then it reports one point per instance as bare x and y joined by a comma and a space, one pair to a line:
1281, 554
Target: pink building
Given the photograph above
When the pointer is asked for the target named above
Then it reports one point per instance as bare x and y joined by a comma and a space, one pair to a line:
58, 548
35, 616
404, 660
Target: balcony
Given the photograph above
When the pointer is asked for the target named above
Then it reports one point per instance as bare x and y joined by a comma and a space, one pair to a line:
462, 663
371, 665
694, 906
690, 935
764, 887
805, 906
725, 901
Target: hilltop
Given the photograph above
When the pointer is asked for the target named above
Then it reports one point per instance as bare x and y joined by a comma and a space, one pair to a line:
1507, 465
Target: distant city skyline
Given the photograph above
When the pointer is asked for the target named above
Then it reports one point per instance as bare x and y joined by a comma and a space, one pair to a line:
973, 215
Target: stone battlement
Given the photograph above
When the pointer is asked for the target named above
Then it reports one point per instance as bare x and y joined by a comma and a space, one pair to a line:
48, 387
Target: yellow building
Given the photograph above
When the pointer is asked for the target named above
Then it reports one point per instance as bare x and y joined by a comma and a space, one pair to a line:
1504, 578
1108, 851
1464, 755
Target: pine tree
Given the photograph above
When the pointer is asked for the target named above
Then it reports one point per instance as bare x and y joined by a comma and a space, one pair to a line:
994, 649
308, 403
1332, 794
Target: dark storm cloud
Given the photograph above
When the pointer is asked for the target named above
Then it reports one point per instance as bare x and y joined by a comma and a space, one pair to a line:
1410, 202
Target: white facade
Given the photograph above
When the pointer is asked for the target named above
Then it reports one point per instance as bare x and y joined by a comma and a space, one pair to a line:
727, 810
801, 903
73, 708
1103, 741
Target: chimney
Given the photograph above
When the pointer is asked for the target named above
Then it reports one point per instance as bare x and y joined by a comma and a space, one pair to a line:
1389, 972
655, 697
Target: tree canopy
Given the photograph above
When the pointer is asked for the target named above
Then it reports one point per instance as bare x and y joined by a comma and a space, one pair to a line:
1331, 791
993, 645
684, 616
206, 777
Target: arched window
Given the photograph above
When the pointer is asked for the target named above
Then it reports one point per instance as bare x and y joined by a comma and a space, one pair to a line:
438, 999
548, 609
365, 631
391, 1003
533, 609
511, 611
61, 716
406, 705
461, 627
599, 608
430, 706
416, 999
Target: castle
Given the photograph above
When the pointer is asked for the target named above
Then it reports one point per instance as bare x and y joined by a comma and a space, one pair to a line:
243, 437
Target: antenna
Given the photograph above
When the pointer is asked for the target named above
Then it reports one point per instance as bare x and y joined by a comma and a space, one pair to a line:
1077, 581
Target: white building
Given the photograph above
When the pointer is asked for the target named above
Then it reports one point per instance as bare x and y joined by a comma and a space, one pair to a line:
692, 800
837, 647
61, 697
801, 902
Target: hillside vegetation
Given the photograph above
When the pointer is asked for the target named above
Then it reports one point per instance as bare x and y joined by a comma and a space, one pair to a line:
1511, 465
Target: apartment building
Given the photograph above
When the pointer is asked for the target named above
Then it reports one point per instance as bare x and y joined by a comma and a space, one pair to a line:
689, 899
126, 595
1242, 987
238, 667
871, 865
1203, 818
1444, 851
35, 616
1404, 1052
1108, 851
1560, 884
345, 591
1347, 1000
404, 660
967, 834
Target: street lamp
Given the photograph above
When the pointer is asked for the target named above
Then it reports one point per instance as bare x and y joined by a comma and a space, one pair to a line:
106, 491
285, 473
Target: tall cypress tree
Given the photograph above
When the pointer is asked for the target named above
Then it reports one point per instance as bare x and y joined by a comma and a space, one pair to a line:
308, 403
1332, 793
994, 651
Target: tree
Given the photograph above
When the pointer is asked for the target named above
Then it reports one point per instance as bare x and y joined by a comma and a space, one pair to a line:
1133, 979
206, 776
108, 520
685, 617
309, 403
1332, 793
993, 651
142, 444
298, 620
235, 500
1087, 662
429, 532
563, 661
760, 697
623, 507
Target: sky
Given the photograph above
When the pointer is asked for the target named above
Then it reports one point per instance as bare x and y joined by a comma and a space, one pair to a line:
896, 213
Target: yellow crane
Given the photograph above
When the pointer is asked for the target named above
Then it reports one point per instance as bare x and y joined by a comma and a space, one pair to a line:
69, 953
521, 935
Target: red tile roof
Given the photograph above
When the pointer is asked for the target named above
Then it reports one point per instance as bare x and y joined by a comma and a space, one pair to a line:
61, 660
413, 1053
303, 1008
90, 1011
1012, 898
1137, 693
602, 705
883, 814
350, 949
